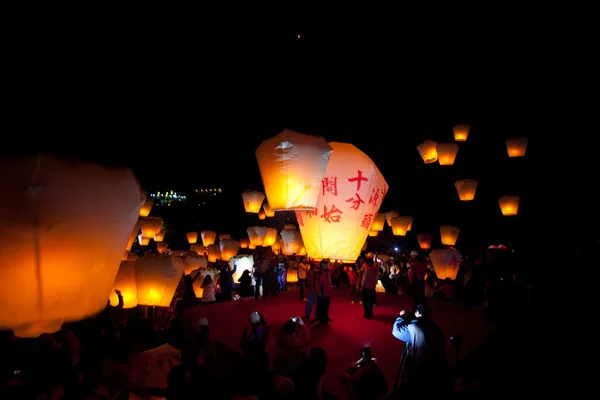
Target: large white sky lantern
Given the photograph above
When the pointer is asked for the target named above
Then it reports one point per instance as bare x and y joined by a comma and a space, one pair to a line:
446, 262
292, 166
64, 228
349, 199
243, 263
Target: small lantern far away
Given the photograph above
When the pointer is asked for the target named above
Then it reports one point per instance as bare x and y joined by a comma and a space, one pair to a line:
125, 283
160, 236
424, 240
269, 212
224, 236
446, 263
446, 153
261, 215
509, 205
517, 147
461, 132
400, 225
449, 235
244, 243
214, 252
378, 222
292, 166
157, 277
373, 233
208, 237
351, 194
428, 151
143, 241
151, 226
192, 237
389, 215
147, 207
466, 189
252, 201
229, 248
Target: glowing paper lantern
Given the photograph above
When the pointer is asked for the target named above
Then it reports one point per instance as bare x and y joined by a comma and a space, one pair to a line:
214, 252
64, 226
214, 274
134, 234
192, 237
461, 132
449, 235
243, 263
244, 243
400, 225
509, 205
516, 147
466, 189
252, 201
276, 247
389, 215
269, 212
446, 153
410, 222
251, 247
261, 215
446, 262
373, 233
160, 236
292, 166
224, 236
229, 248
162, 247
379, 287
157, 277
192, 262
270, 238
424, 241
257, 235
291, 275
378, 222
198, 248
291, 241
208, 237
145, 210
143, 241
351, 193
125, 282
428, 151
151, 226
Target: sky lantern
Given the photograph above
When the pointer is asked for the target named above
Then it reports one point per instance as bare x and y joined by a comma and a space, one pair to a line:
400, 225
162, 247
446, 153
143, 241
151, 226
125, 282
229, 248
160, 236
446, 262
257, 235
145, 210
198, 248
134, 234
424, 240
373, 233
214, 274
192, 237
276, 247
270, 238
224, 236
192, 262
269, 212
461, 132
509, 205
261, 215
64, 228
389, 215
466, 189
291, 241
214, 252
244, 242
157, 276
208, 237
243, 263
449, 235
292, 166
351, 193
516, 147
252, 201
378, 222
428, 151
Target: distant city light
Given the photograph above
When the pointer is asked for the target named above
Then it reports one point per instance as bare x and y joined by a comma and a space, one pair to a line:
298, 36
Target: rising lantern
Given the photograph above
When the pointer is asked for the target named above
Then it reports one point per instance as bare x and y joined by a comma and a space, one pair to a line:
244, 243
270, 237
157, 277
461, 132
352, 191
257, 235
162, 247
428, 151
449, 235
242, 263
252, 201
151, 226
192, 262
192, 237
261, 215
269, 212
208, 237
446, 153
516, 147
389, 215
446, 262
424, 241
198, 248
64, 228
143, 241
291, 241
378, 222
509, 205
229, 248
160, 236
125, 282
214, 252
466, 189
145, 210
400, 225
292, 166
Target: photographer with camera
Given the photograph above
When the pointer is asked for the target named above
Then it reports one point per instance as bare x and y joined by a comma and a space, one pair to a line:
363, 379
292, 340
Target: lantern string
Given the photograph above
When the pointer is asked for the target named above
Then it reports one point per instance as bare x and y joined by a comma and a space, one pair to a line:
32, 192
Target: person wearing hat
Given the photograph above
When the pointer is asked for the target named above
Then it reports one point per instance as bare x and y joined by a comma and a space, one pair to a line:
254, 343
416, 277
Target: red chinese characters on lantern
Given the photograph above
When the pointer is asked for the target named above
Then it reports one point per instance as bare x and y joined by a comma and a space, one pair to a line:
359, 179
331, 215
366, 221
313, 213
374, 198
355, 201
329, 185
299, 218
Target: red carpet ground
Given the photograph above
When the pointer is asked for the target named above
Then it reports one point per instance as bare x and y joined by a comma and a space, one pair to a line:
343, 338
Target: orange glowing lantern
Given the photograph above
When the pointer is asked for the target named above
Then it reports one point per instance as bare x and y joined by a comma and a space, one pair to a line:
208, 237
509, 205
373, 233
125, 282
461, 132
352, 191
244, 243
389, 215
251, 247
276, 247
261, 215
198, 248
466, 189
517, 147
378, 222
224, 236
133, 235
229, 248
424, 241
257, 235
400, 226
214, 252
270, 238
252, 201
192, 237
449, 235
269, 212
214, 274
292, 166
291, 275
143, 241
145, 210
64, 228
151, 226
162, 247
446, 153
192, 262
410, 222
157, 277
446, 262
160, 236
291, 242
428, 151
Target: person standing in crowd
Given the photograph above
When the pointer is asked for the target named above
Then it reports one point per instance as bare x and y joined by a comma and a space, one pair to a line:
303, 267
262, 275
369, 281
324, 292
311, 286
353, 282
416, 277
